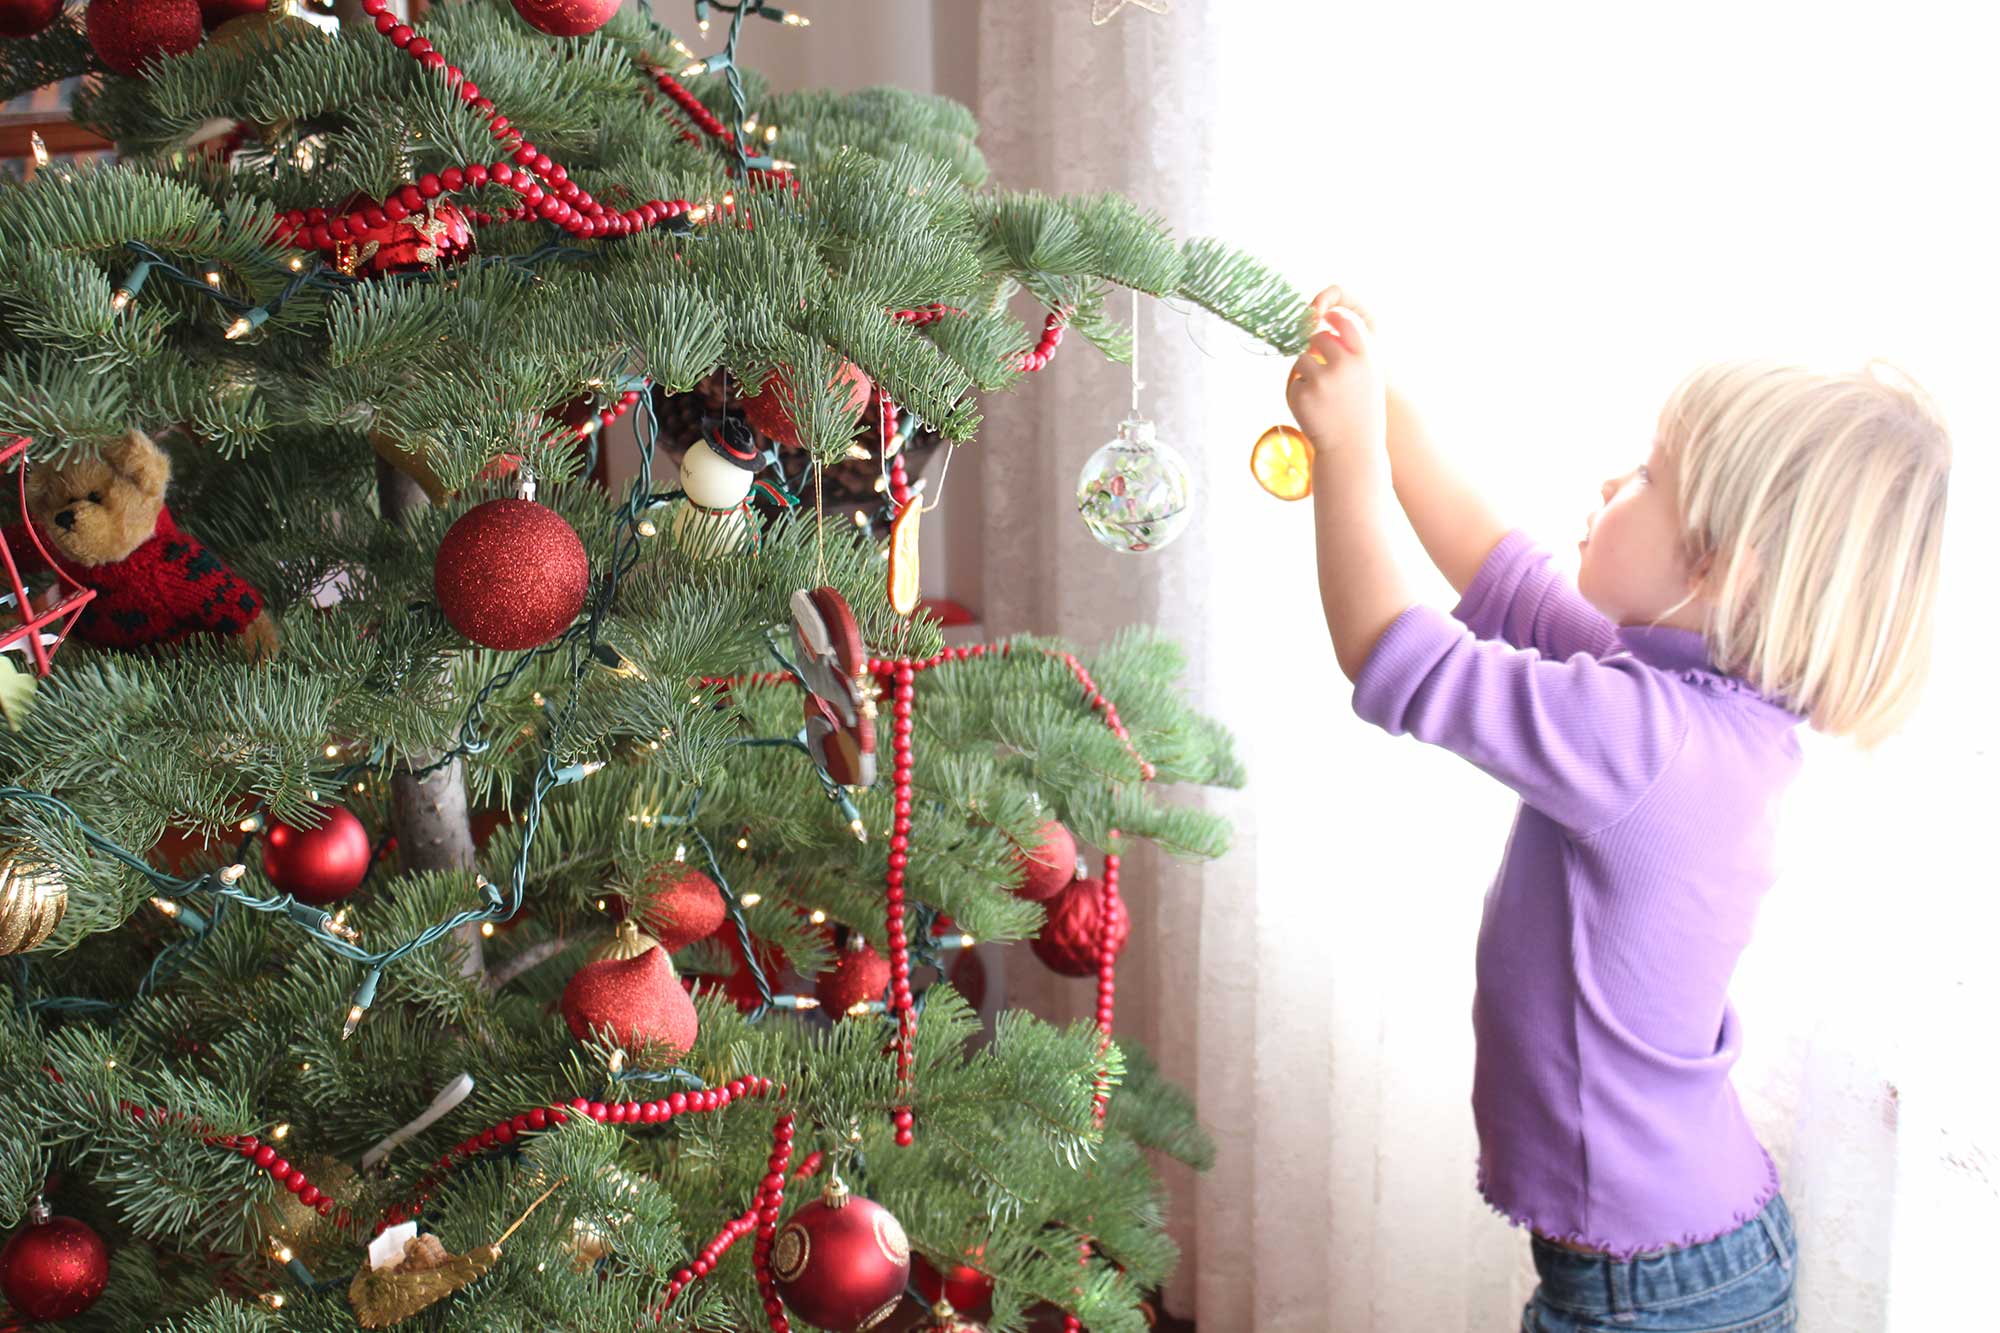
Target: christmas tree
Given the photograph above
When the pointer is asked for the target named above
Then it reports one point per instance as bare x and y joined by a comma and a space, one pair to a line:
423, 902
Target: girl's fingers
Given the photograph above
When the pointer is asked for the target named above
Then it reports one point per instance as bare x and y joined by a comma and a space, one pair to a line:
1324, 347
1327, 299
1348, 329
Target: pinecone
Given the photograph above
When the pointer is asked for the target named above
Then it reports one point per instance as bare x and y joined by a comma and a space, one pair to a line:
423, 1253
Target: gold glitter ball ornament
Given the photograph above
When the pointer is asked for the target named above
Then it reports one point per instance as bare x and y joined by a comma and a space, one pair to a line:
32, 901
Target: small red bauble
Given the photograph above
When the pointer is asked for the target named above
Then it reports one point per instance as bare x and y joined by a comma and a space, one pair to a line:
1047, 867
54, 1269
25, 18
1069, 939
860, 975
638, 999
964, 1287
679, 905
566, 18
841, 1262
317, 865
130, 34
511, 574
771, 410
221, 11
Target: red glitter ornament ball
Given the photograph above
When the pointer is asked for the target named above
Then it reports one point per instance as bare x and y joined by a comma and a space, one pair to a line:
1068, 941
858, 976
965, 1287
841, 1262
130, 34
214, 12
771, 410
566, 18
511, 574
679, 905
1047, 867
639, 999
25, 18
317, 865
54, 1269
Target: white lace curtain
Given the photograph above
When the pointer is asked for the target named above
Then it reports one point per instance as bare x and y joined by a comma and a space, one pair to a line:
1556, 210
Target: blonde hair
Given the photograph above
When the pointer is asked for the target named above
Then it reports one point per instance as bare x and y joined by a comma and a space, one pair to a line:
1814, 504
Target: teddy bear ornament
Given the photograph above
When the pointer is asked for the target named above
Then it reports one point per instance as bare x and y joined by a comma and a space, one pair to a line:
104, 522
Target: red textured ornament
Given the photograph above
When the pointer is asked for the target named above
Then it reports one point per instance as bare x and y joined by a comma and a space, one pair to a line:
566, 18
841, 1262
54, 1269
639, 999
860, 975
317, 865
771, 410
25, 18
680, 905
214, 12
1069, 939
1049, 866
130, 34
511, 574
420, 240
964, 1287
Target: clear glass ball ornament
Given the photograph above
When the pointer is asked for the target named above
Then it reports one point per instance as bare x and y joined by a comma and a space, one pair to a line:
1136, 493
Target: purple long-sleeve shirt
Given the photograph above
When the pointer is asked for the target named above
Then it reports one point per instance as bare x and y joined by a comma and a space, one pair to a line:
1648, 784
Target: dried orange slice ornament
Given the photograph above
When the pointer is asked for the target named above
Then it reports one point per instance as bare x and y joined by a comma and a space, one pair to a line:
903, 559
1281, 460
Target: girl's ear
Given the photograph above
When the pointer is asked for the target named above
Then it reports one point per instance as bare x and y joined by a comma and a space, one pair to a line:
1712, 581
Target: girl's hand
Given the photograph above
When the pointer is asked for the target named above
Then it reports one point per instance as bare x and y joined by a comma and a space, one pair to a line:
1336, 392
1335, 296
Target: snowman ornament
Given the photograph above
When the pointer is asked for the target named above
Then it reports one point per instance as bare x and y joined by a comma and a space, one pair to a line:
716, 476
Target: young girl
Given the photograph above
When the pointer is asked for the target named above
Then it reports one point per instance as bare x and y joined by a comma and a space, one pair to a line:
1773, 560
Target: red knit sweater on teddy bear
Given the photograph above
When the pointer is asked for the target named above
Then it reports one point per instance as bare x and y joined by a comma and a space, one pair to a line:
171, 586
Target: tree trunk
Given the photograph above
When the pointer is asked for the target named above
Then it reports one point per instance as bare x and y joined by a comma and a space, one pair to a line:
432, 820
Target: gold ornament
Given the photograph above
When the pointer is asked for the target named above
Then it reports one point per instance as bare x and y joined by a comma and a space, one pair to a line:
628, 941
410, 462
426, 1275
32, 902
293, 1222
587, 1245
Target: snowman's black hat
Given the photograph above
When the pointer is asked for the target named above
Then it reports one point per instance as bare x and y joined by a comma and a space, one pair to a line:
731, 438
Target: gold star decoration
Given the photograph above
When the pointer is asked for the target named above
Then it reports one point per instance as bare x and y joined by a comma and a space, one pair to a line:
1103, 11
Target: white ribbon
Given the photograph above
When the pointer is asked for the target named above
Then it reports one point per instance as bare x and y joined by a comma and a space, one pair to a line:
448, 1097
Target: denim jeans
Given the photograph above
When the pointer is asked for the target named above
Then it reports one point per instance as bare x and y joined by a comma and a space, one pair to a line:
1738, 1283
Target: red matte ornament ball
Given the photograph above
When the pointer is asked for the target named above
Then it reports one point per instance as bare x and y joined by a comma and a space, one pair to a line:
511, 574
317, 865
25, 18
771, 410
566, 18
968, 977
1047, 867
639, 1000
54, 1269
965, 1287
130, 34
860, 975
1069, 940
679, 905
841, 1262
